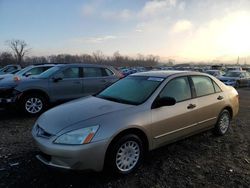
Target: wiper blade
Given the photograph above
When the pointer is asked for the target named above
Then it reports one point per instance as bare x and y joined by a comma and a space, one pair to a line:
115, 99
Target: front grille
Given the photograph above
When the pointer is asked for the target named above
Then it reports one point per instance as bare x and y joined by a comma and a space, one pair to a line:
41, 132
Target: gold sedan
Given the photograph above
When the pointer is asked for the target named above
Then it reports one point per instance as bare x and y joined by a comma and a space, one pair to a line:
141, 112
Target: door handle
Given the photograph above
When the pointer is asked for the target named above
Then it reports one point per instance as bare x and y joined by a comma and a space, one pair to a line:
220, 97
191, 106
76, 82
104, 81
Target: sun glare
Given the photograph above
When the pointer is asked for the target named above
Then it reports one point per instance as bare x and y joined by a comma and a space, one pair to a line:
235, 38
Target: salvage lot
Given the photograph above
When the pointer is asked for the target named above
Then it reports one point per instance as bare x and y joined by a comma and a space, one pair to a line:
202, 160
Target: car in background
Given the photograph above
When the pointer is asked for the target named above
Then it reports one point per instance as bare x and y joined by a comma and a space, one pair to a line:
234, 68
144, 111
27, 71
10, 69
60, 83
215, 73
236, 78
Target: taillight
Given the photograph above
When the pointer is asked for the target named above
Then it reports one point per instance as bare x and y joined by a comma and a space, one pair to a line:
16, 78
120, 75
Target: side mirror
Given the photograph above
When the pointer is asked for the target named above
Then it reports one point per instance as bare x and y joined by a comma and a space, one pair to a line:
28, 74
57, 79
165, 101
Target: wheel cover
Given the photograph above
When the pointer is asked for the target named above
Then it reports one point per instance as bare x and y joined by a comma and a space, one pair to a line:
127, 156
224, 122
33, 105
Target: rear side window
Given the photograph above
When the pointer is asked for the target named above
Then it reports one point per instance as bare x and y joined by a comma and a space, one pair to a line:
107, 72
72, 72
203, 85
97, 72
92, 72
217, 88
178, 88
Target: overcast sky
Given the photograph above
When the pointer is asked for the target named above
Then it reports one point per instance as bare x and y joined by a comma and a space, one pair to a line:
199, 30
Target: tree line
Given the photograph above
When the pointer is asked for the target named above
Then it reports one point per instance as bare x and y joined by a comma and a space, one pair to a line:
19, 50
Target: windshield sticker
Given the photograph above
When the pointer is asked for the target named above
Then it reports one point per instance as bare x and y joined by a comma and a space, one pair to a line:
155, 79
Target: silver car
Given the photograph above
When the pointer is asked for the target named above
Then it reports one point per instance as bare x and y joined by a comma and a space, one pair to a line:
139, 113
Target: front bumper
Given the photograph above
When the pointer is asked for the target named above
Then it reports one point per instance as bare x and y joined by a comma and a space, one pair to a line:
9, 97
4, 102
75, 157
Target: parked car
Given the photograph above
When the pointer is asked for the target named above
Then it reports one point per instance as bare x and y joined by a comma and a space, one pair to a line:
10, 69
59, 83
141, 112
215, 73
27, 71
236, 78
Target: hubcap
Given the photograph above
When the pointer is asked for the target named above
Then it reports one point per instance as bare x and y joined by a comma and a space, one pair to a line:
34, 105
224, 123
127, 156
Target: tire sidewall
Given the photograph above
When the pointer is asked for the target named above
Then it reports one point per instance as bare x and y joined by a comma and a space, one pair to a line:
27, 97
114, 149
218, 130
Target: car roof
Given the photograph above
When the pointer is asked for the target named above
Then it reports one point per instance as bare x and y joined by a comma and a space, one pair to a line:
161, 73
42, 65
237, 71
82, 65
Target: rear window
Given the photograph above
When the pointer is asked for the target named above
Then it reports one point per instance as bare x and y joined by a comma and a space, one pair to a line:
203, 85
216, 87
178, 89
96, 72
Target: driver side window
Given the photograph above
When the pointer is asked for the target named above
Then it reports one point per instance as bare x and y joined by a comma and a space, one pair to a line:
72, 72
178, 88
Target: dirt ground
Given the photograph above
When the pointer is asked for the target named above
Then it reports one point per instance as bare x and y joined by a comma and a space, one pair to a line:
203, 160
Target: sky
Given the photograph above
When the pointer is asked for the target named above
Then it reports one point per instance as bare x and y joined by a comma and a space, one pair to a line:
183, 30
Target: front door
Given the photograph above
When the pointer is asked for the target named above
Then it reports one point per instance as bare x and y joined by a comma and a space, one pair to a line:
67, 84
172, 122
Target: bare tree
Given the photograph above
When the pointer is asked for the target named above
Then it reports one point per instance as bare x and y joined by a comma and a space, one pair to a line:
6, 58
19, 48
98, 56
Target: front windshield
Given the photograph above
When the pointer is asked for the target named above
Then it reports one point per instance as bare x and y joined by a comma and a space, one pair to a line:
48, 72
21, 72
131, 90
232, 74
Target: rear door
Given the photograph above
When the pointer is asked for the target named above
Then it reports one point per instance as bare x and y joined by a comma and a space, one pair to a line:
96, 78
172, 122
66, 84
210, 100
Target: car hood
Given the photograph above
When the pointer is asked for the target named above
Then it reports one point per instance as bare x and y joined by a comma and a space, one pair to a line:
68, 114
10, 82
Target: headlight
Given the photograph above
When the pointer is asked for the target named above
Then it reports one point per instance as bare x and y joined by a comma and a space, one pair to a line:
79, 136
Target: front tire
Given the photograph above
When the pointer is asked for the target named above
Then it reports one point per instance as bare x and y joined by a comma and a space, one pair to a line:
126, 154
33, 104
223, 123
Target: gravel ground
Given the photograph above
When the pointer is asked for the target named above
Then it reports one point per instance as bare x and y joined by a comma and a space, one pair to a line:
203, 160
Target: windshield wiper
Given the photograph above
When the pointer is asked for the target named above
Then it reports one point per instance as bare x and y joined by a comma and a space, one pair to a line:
115, 99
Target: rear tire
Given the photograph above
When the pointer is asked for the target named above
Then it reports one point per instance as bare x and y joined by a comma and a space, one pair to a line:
125, 155
223, 123
33, 104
